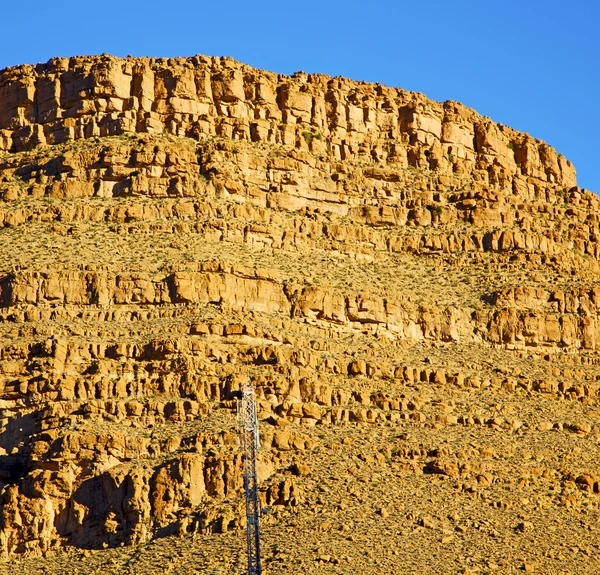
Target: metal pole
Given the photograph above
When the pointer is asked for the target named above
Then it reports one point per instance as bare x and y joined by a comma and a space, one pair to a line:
249, 443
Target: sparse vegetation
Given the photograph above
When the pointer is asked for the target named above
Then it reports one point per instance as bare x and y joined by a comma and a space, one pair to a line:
433, 384
308, 137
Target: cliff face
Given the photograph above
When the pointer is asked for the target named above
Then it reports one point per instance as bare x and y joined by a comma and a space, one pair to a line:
80, 98
411, 287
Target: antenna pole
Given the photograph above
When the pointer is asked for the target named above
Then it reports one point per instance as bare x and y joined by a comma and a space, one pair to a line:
249, 444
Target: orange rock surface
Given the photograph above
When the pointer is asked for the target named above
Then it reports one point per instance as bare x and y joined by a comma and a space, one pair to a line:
412, 289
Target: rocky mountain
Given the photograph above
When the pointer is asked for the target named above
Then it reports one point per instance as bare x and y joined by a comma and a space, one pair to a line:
412, 289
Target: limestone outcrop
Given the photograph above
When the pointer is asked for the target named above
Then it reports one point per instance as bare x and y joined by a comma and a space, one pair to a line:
70, 99
412, 289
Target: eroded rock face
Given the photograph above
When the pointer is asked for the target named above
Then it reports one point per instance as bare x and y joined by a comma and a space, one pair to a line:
85, 97
381, 266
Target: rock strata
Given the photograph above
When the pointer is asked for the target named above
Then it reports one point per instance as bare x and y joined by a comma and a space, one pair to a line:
411, 288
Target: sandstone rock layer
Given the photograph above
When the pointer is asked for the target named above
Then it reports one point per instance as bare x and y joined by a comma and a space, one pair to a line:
412, 288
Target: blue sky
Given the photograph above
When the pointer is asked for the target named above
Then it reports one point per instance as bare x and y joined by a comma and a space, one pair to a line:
529, 64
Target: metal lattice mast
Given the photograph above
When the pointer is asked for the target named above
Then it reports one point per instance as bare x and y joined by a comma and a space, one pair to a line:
248, 429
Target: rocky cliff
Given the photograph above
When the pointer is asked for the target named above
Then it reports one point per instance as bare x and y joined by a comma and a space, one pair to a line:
412, 288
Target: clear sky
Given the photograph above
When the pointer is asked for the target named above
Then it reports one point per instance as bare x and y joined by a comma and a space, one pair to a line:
533, 65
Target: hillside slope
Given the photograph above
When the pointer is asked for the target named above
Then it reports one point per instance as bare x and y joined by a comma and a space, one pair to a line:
412, 288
